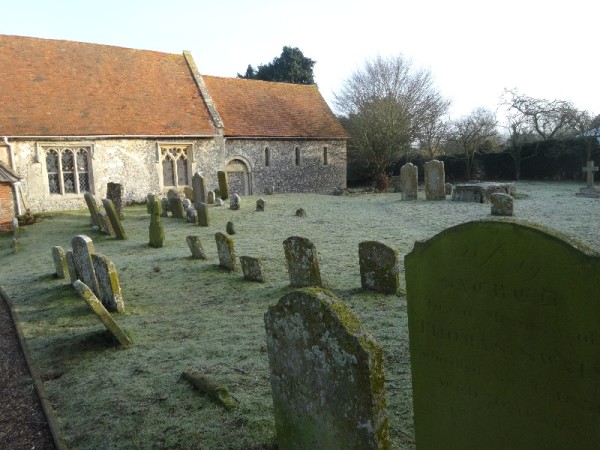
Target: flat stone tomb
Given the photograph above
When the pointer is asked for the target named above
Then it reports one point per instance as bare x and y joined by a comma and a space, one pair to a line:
503, 327
302, 262
327, 379
480, 192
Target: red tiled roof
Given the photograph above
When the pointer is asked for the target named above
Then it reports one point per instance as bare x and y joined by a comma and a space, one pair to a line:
63, 88
251, 108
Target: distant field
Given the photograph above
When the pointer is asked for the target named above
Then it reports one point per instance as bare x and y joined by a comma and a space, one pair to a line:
183, 313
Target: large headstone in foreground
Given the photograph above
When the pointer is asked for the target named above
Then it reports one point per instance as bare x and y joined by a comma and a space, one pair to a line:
327, 379
379, 267
504, 327
302, 262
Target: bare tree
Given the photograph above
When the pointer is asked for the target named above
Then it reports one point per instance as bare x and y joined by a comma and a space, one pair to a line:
434, 134
387, 104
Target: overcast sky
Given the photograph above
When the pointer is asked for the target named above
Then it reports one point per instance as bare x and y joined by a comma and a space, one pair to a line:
474, 48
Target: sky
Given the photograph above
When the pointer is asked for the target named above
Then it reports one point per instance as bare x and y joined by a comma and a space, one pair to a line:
475, 49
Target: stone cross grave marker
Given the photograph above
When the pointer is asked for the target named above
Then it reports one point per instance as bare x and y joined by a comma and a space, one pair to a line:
92, 205
409, 181
589, 170
86, 293
327, 378
435, 180
114, 192
252, 268
114, 218
156, 234
225, 251
379, 267
83, 249
223, 186
61, 268
302, 262
503, 323
202, 210
195, 246
199, 186
108, 283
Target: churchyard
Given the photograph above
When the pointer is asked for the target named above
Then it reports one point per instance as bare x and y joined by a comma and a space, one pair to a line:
190, 315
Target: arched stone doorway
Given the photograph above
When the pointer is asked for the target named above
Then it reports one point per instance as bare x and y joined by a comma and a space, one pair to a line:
239, 176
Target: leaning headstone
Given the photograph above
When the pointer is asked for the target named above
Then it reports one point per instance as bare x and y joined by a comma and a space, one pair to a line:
210, 197
252, 268
86, 293
115, 221
195, 246
108, 283
327, 377
73, 275
199, 186
114, 192
83, 249
234, 202
302, 262
379, 267
225, 251
502, 204
229, 228
409, 181
202, 210
61, 268
105, 225
176, 207
435, 180
92, 205
156, 233
589, 190
503, 327
223, 186
260, 204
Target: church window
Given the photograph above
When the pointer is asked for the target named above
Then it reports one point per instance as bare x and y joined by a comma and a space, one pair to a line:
297, 156
175, 165
267, 156
68, 170
325, 157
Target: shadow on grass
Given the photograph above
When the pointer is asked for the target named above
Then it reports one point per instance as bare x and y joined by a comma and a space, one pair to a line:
79, 345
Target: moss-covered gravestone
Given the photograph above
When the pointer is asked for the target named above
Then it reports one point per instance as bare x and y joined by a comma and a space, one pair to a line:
379, 267
195, 247
327, 378
61, 267
83, 249
504, 327
223, 186
114, 218
155, 230
86, 293
225, 251
92, 205
302, 262
108, 283
252, 268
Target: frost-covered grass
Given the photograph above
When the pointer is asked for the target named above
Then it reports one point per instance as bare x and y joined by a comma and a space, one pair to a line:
183, 313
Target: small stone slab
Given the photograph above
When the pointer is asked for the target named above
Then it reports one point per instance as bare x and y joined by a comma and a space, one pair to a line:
156, 233
83, 249
223, 186
409, 181
202, 210
502, 204
252, 268
108, 283
86, 293
176, 207
327, 377
225, 250
114, 218
379, 267
260, 204
235, 202
61, 268
92, 205
435, 180
195, 246
302, 262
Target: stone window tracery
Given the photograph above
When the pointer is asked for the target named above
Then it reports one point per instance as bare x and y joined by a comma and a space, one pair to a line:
68, 169
175, 165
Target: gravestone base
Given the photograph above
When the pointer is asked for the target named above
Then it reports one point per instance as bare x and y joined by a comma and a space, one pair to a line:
480, 192
590, 192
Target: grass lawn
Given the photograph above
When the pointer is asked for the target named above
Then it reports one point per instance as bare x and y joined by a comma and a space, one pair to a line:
183, 313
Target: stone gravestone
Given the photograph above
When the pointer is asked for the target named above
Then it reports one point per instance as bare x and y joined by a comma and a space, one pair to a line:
503, 327
234, 202
223, 187
176, 207
589, 190
73, 275
409, 181
92, 205
327, 378
302, 262
113, 328
156, 233
260, 204
435, 180
115, 221
61, 268
202, 210
114, 192
210, 197
105, 225
252, 268
230, 228
108, 283
502, 204
83, 249
225, 251
199, 186
379, 267
195, 246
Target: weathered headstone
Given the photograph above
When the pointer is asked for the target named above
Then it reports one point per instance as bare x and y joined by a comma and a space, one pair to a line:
409, 181
176, 207
327, 377
223, 186
105, 225
202, 210
448, 188
186, 204
199, 186
191, 215
379, 267
86, 293
73, 275
92, 205
188, 193
114, 192
503, 327
270, 190
61, 268
502, 204
234, 202
218, 202
108, 283
302, 262
164, 207
156, 232
589, 190
210, 197
230, 228
225, 251
172, 193
435, 180
252, 268
195, 246
83, 249
115, 221
260, 204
